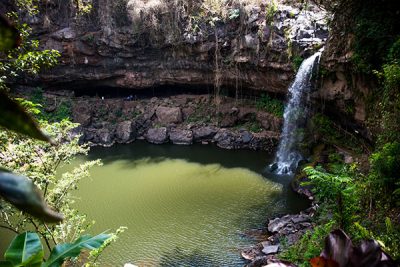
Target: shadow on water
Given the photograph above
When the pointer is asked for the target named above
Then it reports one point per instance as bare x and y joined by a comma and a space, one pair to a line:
181, 220
203, 154
141, 152
179, 257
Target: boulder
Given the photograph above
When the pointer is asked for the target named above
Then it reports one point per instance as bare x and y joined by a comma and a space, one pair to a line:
125, 132
225, 139
269, 121
289, 223
169, 115
105, 136
81, 113
278, 223
251, 253
157, 135
204, 133
245, 137
267, 250
181, 137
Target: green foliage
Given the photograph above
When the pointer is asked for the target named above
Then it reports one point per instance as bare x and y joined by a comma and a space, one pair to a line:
390, 237
62, 111
358, 202
255, 127
36, 96
375, 33
297, 60
270, 12
27, 250
391, 76
118, 113
394, 51
39, 161
309, 246
335, 135
339, 192
271, 105
384, 175
26, 58
72, 250
95, 253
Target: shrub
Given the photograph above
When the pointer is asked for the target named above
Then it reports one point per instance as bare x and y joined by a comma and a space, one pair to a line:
271, 105
297, 60
338, 191
309, 246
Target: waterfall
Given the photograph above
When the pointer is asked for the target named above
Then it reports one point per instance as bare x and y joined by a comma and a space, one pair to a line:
288, 156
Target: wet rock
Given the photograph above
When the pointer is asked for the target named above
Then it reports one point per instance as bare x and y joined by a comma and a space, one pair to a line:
105, 136
225, 139
157, 135
300, 218
142, 123
267, 250
246, 137
181, 137
288, 223
278, 223
125, 132
252, 253
204, 133
168, 115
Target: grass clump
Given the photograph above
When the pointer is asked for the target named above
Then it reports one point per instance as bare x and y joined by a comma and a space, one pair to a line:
270, 105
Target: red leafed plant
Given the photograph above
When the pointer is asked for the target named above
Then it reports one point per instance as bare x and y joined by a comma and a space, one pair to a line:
339, 251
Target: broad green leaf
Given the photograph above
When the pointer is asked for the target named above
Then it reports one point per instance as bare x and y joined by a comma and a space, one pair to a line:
25, 250
6, 264
22, 193
71, 250
14, 118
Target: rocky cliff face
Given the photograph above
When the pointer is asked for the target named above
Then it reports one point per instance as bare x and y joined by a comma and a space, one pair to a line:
343, 92
142, 44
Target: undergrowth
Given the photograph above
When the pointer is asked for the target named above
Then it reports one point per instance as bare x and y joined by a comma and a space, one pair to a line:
271, 105
63, 109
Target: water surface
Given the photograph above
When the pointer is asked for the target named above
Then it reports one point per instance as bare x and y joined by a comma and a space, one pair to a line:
183, 205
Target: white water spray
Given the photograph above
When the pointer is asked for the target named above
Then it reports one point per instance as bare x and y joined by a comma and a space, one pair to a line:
287, 156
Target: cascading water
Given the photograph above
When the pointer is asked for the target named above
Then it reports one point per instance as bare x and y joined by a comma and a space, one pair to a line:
287, 156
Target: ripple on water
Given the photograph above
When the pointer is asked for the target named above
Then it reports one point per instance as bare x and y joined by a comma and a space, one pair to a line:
176, 211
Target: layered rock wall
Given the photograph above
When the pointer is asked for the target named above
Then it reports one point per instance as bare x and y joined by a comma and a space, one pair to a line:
140, 44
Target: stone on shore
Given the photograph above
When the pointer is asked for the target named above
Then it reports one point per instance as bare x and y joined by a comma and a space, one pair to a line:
181, 137
204, 133
267, 250
125, 132
157, 135
169, 115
